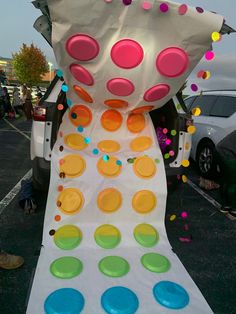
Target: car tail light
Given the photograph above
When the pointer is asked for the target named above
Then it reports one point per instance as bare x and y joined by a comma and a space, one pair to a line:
39, 113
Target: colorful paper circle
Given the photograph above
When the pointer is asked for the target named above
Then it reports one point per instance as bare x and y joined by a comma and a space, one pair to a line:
68, 237
141, 143
156, 92
146, 235
171, 295
172, 62
73, 166
81, 92
65, 300
71, 201
107, 236
144, 201
109, 146
116, 103
81, 74
111, 120
142, 109
155, 262
144, 167
136, 122
127, 53
82, 47
80, 115
119, 300
114, 266
120, 86
109, 200
75, 141
66, 267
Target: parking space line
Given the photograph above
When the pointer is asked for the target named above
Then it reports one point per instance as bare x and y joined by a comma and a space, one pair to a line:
18, 130
10, 196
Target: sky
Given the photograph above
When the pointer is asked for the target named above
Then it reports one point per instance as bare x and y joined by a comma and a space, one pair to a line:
18, 16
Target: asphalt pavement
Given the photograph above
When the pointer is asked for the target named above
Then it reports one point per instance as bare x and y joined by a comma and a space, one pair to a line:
209, 256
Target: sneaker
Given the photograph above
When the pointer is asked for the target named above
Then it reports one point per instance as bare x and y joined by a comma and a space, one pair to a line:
225, 209
8, 261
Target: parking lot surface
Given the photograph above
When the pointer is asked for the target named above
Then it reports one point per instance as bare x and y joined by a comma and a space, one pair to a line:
209, 257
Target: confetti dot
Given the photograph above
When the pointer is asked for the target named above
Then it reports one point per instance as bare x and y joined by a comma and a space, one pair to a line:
172, 217
109, 200
168, 141
80, 129
82, 47
200, 74
184, 214
62, 175
66, 267
114, 266
65, 300
95, 151
64, 88
57, 218
127, 53
164, 7
87, 140
61, 134
171, 153
194, 87
107, 236
199, 10
170, 295
119, 300
155, 262
165, 131
196, 111
61, 161
146, 5
157, 160
52, 232
166, 156
60, 188
73, 115
183, 9
185, 163
59, 73
191, 129
69, 102
215, 36
173, 132
144, 201
209, 55
119, 163
105, 158
127, 2
68, 237
184, 178
206, 75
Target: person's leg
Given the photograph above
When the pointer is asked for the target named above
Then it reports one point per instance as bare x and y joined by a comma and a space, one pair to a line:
9, 261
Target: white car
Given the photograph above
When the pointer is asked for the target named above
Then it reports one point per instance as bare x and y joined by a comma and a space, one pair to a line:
217, 119
47, 119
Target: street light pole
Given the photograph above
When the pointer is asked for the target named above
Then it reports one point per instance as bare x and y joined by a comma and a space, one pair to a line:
50, 69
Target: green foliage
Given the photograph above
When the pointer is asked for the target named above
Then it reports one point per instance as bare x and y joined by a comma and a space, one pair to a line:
29, 65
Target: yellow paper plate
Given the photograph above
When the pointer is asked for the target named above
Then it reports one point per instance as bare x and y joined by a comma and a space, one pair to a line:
109, 146
141, 143
144, 167
109, 200
71, 200
144, 201
109, 168
75, 141
73, 166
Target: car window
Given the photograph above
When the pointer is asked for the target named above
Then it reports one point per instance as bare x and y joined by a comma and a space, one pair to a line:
205, 103
188, 101
224, 106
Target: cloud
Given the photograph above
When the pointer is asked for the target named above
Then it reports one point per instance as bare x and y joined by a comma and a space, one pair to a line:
223, 74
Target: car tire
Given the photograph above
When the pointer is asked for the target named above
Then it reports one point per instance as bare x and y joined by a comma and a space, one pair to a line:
205, 160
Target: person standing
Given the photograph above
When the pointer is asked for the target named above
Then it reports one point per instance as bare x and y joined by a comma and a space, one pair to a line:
27, 102
16, 101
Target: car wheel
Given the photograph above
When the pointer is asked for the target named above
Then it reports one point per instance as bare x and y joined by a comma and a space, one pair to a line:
206, 160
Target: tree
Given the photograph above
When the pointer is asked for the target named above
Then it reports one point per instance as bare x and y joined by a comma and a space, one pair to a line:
29, 65
3, 78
